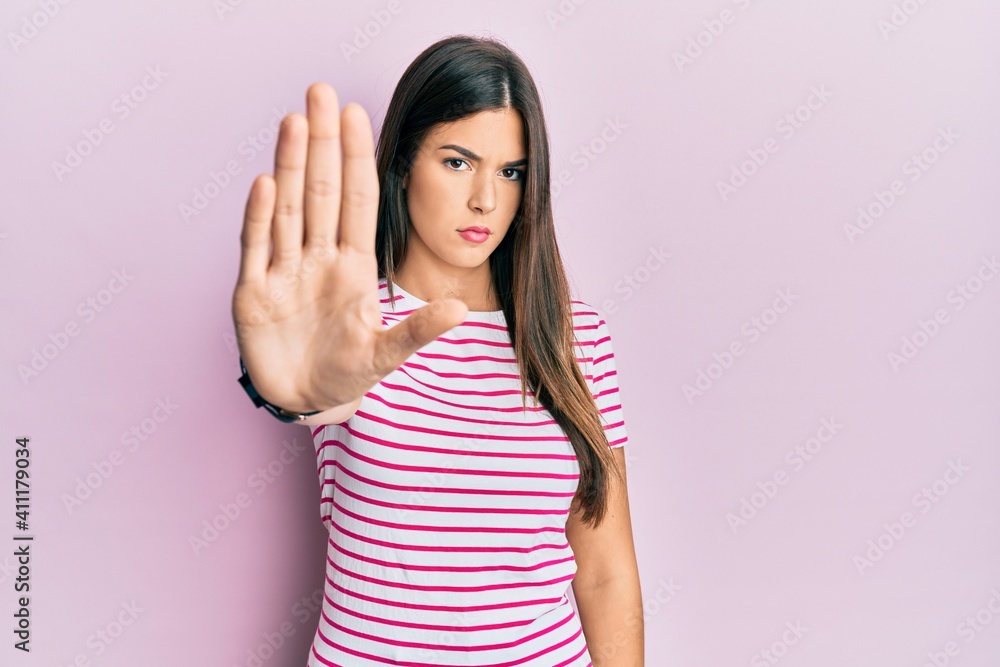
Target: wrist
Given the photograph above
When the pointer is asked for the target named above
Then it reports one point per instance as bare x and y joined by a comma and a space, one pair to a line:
291, 411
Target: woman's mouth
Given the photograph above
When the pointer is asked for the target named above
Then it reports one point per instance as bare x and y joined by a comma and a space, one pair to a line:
474, 234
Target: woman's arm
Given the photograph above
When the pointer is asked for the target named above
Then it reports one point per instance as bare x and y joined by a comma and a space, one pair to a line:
606, 586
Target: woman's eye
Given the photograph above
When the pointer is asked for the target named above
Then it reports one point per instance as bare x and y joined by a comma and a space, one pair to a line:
516, 174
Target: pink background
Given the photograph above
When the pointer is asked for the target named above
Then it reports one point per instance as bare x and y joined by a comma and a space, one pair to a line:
642, 143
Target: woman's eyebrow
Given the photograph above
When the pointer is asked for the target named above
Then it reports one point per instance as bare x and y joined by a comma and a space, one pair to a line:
472, 156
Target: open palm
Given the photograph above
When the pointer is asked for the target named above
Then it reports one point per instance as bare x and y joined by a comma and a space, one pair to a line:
307, 312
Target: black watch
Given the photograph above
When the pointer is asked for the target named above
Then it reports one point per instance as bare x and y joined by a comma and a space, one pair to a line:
282, 414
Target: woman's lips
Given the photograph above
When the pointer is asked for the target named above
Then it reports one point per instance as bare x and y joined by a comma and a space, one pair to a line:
474, 236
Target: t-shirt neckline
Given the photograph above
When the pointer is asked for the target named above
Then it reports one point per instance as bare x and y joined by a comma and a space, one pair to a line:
406, 301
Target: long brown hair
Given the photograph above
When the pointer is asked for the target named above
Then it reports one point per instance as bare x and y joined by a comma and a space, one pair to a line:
457, 77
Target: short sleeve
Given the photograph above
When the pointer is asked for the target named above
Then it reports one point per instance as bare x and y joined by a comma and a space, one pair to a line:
604, 384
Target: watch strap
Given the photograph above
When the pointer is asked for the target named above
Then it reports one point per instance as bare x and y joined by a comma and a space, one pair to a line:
284, 415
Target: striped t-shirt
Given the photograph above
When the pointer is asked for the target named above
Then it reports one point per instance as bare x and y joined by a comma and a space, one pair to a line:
447, 503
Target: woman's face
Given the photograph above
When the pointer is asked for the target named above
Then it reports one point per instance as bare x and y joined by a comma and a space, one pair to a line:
467, 173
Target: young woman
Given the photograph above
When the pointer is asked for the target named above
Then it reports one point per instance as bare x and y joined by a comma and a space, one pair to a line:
413, 301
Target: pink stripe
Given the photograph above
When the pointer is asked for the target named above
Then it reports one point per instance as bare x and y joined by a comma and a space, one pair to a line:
446, 508
564, 663
476, 341
427, 626
450, 568
322, 659
391, 661
400, 387
503, 344
436, 607
444, 548
408, 408
468, 376
472, 323
603, 358
447, 529
444, 489
452, 471
404, 369
570, 661
451, 589
372, 395
460, 434
466, 341
452, 647
400, 315
606, 375
479, 357
607, 392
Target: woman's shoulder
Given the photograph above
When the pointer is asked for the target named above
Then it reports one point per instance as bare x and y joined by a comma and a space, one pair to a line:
587, 318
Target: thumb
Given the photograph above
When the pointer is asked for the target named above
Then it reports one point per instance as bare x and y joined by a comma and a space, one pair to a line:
420, 327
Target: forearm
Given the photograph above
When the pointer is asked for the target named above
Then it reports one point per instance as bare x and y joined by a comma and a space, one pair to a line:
612, 620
